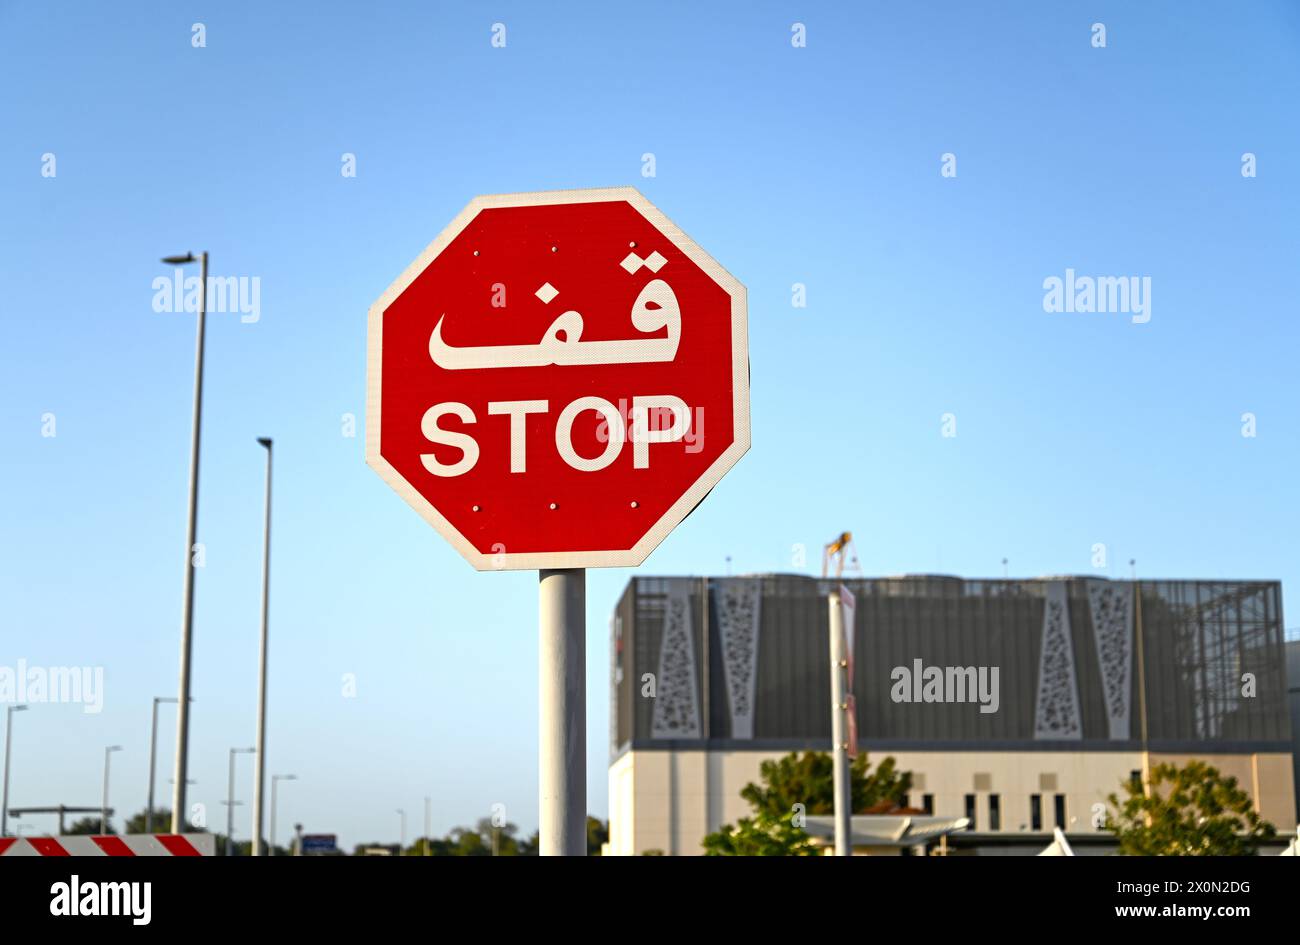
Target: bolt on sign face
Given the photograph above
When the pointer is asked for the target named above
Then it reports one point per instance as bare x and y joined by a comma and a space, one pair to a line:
558, 379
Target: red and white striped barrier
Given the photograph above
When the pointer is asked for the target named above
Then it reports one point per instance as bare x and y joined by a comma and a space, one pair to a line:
133, 844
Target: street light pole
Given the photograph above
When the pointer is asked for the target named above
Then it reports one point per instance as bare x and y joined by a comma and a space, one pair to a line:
187, 619
840, 769
839, 647
9, 741
402, 845
259, 777
153, 755
230, 799
428, 823
275, 780
103, 809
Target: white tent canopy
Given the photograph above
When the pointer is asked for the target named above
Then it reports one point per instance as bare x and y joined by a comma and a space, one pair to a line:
887, 830
1059, 845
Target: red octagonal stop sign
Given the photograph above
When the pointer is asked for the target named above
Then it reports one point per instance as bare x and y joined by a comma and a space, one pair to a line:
558, 379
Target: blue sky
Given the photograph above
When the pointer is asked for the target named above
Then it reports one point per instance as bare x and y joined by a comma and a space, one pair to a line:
817, 165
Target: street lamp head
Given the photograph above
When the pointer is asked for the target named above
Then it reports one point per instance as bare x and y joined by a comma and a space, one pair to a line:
18, 708
265, 441
113, 748
178, 260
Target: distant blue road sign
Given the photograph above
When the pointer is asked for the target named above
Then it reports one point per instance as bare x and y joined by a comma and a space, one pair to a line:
320, 843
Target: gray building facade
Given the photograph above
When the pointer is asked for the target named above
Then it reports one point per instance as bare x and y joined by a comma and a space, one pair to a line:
1073, 683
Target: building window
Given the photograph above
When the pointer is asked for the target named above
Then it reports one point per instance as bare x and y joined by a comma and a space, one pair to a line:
970, 811
1060, 811
1135, 779
927, 803
1035, 812
995, 812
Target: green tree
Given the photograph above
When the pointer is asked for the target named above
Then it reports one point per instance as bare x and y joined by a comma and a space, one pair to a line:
1200, 813
531, 846
760, 835
86, 826
162, 822
808, 779
597, 835
478, 840
796, 785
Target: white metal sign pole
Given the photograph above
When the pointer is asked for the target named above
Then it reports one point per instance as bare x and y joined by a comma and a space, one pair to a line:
562, 697
839, 733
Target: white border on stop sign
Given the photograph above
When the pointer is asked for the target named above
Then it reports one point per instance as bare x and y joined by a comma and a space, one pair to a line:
679, 509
